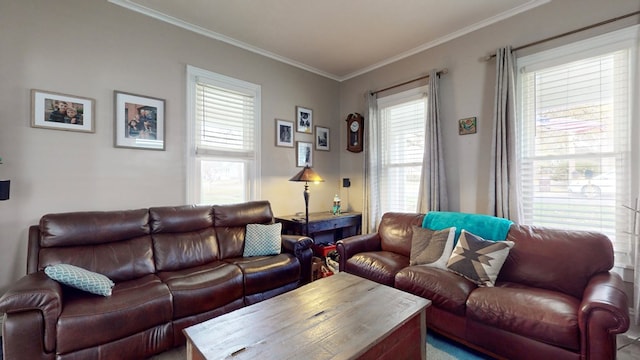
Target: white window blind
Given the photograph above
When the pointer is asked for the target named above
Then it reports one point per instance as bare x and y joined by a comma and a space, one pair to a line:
575, 146
225, 121
402, 125
223, 145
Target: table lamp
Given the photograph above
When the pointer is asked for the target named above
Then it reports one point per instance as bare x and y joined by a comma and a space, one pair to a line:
306, 175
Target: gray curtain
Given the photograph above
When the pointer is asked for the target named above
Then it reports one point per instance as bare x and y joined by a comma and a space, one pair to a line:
372, 168
432, 195
504, 185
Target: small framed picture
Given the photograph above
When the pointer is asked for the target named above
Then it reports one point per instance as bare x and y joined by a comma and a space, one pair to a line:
304, 120
57, 111
284, 133
139, 121
467, 126
322, 138
304, 154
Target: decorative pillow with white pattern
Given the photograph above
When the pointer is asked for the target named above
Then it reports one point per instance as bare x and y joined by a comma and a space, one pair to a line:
477, 259
80, 278
261, 240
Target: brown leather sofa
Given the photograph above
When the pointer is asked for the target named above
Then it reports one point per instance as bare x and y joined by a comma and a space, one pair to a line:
172, 267
555, 296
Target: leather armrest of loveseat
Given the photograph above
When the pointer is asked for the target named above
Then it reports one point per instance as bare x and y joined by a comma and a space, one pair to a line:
356, 244
36, 292
300, 246
603, 313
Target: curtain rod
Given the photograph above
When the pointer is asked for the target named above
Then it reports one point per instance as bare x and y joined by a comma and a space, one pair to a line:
439, 72
489, 57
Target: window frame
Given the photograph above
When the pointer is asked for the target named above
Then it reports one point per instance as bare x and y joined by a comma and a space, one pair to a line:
404, 97
601, 45
252, 162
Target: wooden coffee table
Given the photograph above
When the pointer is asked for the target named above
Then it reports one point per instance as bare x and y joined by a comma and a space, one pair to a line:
339, 317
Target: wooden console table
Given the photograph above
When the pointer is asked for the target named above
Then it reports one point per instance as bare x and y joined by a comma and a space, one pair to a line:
324, 227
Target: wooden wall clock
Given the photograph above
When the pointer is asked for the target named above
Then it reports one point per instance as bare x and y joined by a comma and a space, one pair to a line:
355, 130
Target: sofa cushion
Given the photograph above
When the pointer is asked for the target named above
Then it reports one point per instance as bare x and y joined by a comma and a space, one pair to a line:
135, 305
264, 273
80, 278
431, 247
262, 240
203, 288
119, 260
395, 231
543, 315
379, 266
175, 251
583, 254
445, 289
477, 259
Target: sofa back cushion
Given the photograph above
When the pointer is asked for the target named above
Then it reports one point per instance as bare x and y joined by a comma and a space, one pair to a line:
183, 236
113, 243
559, 260
396, 231
230, 222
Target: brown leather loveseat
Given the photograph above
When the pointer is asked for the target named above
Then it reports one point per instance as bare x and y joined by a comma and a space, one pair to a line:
172, 267
554, 298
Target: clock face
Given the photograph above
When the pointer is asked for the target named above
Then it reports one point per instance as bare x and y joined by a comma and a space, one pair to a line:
355, 126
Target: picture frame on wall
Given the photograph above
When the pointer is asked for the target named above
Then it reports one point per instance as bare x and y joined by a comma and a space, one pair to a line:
139, 121
467, 126
52, 110
322, 138
284, 133
304, 120
304, 154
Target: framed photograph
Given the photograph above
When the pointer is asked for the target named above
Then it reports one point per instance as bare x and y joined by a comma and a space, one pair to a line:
52, 110
304, 120
322, 138
139, 121
467, 126
284, 133
304, 154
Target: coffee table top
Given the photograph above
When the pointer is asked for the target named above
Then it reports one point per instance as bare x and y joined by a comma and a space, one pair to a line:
338, 317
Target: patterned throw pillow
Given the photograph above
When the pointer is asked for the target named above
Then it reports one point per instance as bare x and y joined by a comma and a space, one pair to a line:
262, 240
80, 278
431, 247
477, 259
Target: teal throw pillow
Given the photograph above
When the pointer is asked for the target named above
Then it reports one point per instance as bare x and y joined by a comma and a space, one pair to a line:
80, 278
261, 240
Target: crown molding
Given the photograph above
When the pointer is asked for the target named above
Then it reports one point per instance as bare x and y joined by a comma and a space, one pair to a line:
128, 4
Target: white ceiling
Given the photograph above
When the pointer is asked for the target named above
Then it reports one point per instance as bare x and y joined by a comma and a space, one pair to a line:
338, 39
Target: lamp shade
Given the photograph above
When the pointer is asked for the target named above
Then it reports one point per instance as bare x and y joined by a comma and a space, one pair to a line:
306, 175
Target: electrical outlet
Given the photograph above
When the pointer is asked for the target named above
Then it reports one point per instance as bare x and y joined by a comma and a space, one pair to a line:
346, 182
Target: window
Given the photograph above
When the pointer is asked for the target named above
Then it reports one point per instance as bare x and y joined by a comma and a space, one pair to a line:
223, 138
402, 132
575, 126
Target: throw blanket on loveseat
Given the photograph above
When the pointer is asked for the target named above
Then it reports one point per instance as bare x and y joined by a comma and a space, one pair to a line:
485, 226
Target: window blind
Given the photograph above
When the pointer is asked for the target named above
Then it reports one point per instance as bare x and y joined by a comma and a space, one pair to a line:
402, 127
224, 122
575, 153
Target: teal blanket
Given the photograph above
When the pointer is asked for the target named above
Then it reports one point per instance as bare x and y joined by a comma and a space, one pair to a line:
486, 226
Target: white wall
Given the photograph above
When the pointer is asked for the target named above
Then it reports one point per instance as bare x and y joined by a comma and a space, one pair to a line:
468, 89
91, 48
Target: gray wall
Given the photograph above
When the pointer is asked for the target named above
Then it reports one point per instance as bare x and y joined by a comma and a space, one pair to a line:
90, 49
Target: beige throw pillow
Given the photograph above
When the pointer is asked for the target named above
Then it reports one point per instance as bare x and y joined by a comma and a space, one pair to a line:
431, 247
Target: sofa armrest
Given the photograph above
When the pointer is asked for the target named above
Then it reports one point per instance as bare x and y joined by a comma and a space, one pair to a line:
356, 244
603, 313
300, 246
36, 291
